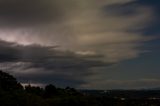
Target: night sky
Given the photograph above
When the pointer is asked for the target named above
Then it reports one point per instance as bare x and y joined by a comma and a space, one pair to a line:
86, 44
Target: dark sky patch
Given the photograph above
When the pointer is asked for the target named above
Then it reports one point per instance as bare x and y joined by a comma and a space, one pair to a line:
129, 9
28, 12
126, 9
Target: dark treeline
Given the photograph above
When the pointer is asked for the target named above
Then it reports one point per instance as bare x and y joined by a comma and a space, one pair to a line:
13, 94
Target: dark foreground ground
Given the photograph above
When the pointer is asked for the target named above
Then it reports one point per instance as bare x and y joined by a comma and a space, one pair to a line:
28, 99
13, 94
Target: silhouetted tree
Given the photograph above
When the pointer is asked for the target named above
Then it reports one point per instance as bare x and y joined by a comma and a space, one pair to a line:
34, 90
50, 90
8, 82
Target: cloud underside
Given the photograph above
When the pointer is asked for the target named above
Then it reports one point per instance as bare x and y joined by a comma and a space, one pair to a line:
41, 64
63, 40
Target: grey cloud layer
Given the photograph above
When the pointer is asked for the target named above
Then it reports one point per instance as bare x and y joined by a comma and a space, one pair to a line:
46, 64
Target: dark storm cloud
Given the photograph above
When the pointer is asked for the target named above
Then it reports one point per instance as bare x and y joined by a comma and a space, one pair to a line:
28, 12
51, 78
7, 53
39, 56
48, 64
